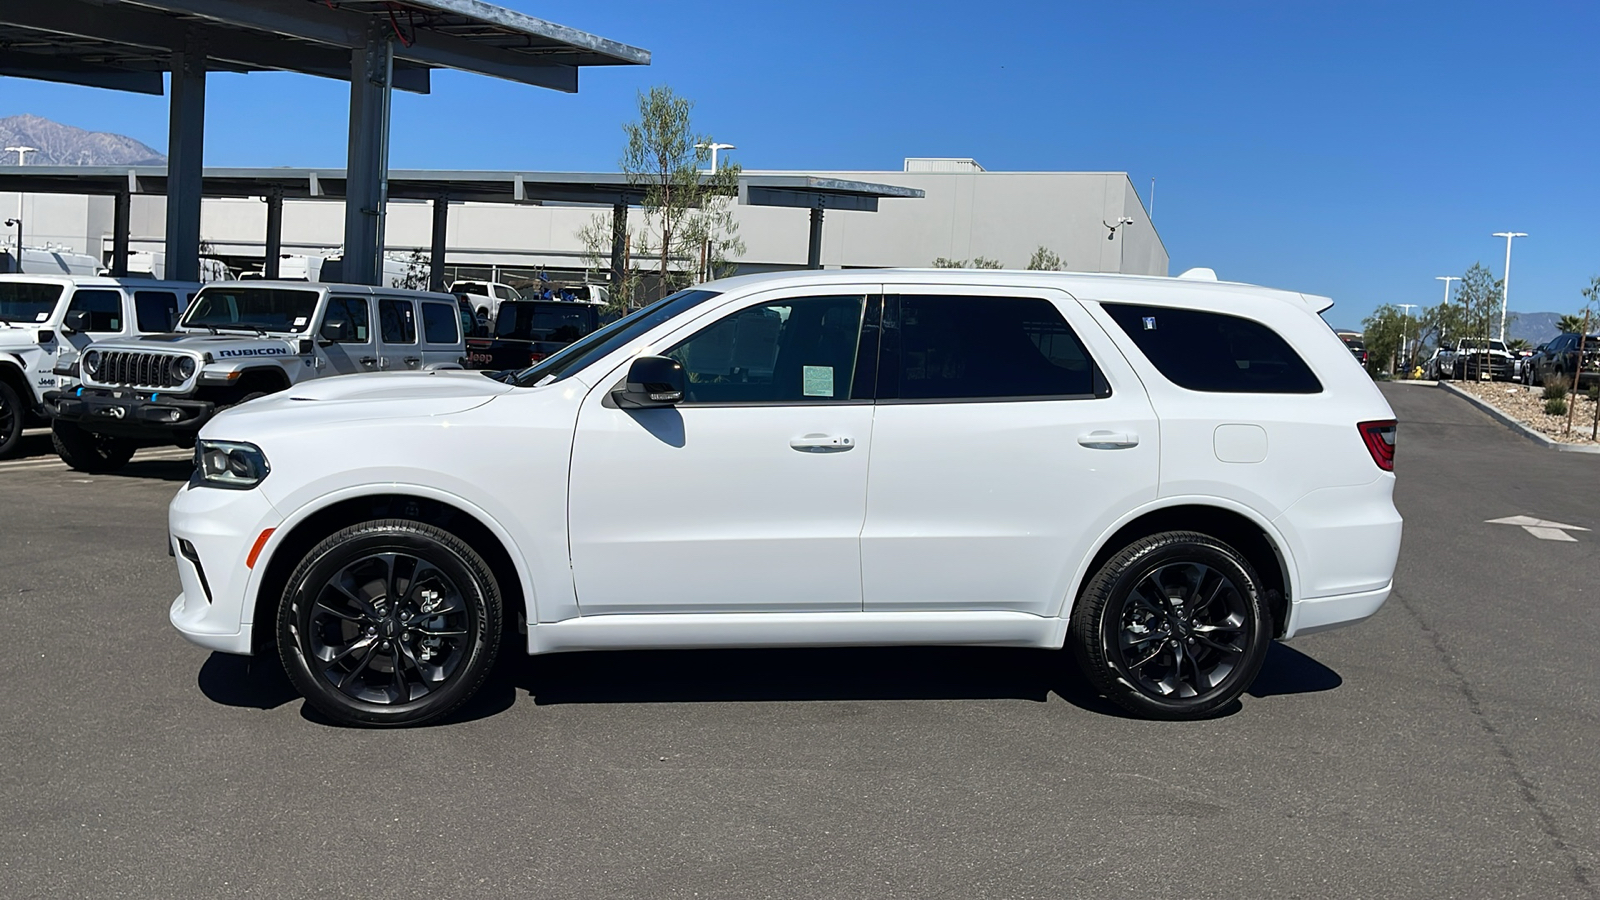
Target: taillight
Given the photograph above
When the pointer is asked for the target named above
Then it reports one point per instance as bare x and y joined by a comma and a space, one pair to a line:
535, 356
1380, 442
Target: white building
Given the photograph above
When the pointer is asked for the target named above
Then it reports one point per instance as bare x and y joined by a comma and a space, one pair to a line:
967, 213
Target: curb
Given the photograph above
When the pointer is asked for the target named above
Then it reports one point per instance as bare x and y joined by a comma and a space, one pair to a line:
1516, 426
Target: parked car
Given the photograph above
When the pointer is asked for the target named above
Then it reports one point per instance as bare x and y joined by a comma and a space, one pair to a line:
1162, 474
47, 320
526, 331
1559, 360
1357, 347
485, 296
1441, 365
237, 341
1481, 359
1522, 363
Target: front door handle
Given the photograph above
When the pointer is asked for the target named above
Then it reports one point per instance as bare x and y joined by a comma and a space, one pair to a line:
369, 362
413, 361
822, 443
1109, 440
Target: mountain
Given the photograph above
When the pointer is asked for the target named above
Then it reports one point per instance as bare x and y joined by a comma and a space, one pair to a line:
64, 145
1535, 328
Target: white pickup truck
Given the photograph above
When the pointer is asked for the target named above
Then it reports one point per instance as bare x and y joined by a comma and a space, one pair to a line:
46, 321
485, 296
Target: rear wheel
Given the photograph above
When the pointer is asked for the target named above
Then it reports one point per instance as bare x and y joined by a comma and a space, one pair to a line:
1175, 626
90, 452
389, 622
10, 420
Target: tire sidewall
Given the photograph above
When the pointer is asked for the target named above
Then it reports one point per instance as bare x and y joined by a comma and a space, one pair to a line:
324, 561
11, 437
1107, 623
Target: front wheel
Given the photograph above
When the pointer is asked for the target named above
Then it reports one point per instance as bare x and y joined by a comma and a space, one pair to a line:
389, 622
90, 452
1175, 626
11, 413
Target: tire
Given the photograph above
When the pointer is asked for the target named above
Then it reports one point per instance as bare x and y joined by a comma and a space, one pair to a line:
90, 452
1175, 626
358, 655
11, 415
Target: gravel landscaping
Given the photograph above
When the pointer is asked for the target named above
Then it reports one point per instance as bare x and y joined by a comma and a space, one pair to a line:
1526, 405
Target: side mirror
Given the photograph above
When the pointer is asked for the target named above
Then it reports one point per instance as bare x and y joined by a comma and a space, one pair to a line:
653, 381
333, 330
76, 321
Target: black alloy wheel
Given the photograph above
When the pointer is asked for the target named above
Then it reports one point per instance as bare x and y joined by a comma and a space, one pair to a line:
1175, 626
389, 622
10, 420
88, 452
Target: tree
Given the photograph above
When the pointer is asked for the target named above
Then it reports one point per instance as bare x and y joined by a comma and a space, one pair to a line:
688, 213
1569, 324
978, 262
418, 268
1046, 260
1386, 333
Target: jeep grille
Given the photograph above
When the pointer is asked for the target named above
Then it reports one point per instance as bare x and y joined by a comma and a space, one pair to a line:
133, 369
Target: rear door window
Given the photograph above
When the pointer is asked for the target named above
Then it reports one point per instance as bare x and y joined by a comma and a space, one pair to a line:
155, 311
1214, 352
980, 348
104, 309
397, 321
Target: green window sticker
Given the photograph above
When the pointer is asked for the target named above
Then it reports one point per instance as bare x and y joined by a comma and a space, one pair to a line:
816, 381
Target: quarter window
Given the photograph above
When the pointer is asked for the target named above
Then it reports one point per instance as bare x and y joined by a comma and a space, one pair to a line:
801, 350
397, 321
439, 323
156, 311
104, 309
972, 348
1213, 352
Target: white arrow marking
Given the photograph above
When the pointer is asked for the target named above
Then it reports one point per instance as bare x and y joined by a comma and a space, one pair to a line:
1543, 529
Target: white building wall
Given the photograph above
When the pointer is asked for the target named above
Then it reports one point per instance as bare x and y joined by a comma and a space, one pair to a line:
965, 214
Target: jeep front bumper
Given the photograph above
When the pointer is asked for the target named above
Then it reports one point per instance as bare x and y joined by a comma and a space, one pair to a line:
129, 413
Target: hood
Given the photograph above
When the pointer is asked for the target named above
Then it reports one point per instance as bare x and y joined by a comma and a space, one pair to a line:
18, 337
222, 347
374, 395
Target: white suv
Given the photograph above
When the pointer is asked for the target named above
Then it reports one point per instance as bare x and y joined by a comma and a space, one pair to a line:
1164, 474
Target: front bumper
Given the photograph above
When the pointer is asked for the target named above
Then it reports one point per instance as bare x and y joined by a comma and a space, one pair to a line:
129, 413
212, 531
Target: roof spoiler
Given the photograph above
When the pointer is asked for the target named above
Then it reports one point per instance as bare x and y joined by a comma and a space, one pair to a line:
1317, 304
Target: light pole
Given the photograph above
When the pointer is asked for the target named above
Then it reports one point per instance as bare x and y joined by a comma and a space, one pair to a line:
17, 224
1405, 327
1505, 286
714, 147
1446, 279
22, 153
22, 160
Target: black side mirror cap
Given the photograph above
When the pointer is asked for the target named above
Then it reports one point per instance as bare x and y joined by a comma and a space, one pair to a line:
307, 345
76, 321
653, 381
46, 335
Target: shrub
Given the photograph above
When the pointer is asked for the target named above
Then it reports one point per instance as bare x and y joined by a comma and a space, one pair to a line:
1554, 390
1555, 406
1593, 393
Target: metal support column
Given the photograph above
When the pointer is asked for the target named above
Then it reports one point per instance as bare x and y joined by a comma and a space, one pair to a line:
619, 248
274, 247
121, 214
185, 148
814, 250
441, 219
367, 181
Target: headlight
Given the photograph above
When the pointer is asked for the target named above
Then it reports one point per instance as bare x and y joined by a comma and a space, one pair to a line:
182, 368
91, 362
230, 464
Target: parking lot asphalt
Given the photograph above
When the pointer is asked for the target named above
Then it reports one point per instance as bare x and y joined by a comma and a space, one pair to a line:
1446, 747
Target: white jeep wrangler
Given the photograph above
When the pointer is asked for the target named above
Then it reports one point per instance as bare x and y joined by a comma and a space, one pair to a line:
238, 341
46, 321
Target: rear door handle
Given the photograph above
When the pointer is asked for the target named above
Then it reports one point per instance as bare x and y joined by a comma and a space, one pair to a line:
1109, 440
413, 361
368, 361
822, 443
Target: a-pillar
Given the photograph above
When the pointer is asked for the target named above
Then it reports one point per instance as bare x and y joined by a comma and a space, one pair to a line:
121, 218
367, 175
185, 148
814, 248
274, 244
441, 221
619, 248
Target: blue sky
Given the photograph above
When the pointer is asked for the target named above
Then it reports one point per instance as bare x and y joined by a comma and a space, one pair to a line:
1350, 149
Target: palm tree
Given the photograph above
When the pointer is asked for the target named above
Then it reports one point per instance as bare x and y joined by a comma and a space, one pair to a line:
1569, 324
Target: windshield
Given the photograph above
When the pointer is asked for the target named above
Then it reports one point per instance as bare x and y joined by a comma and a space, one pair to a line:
564, 322
575, 356
23, 302
252, 309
